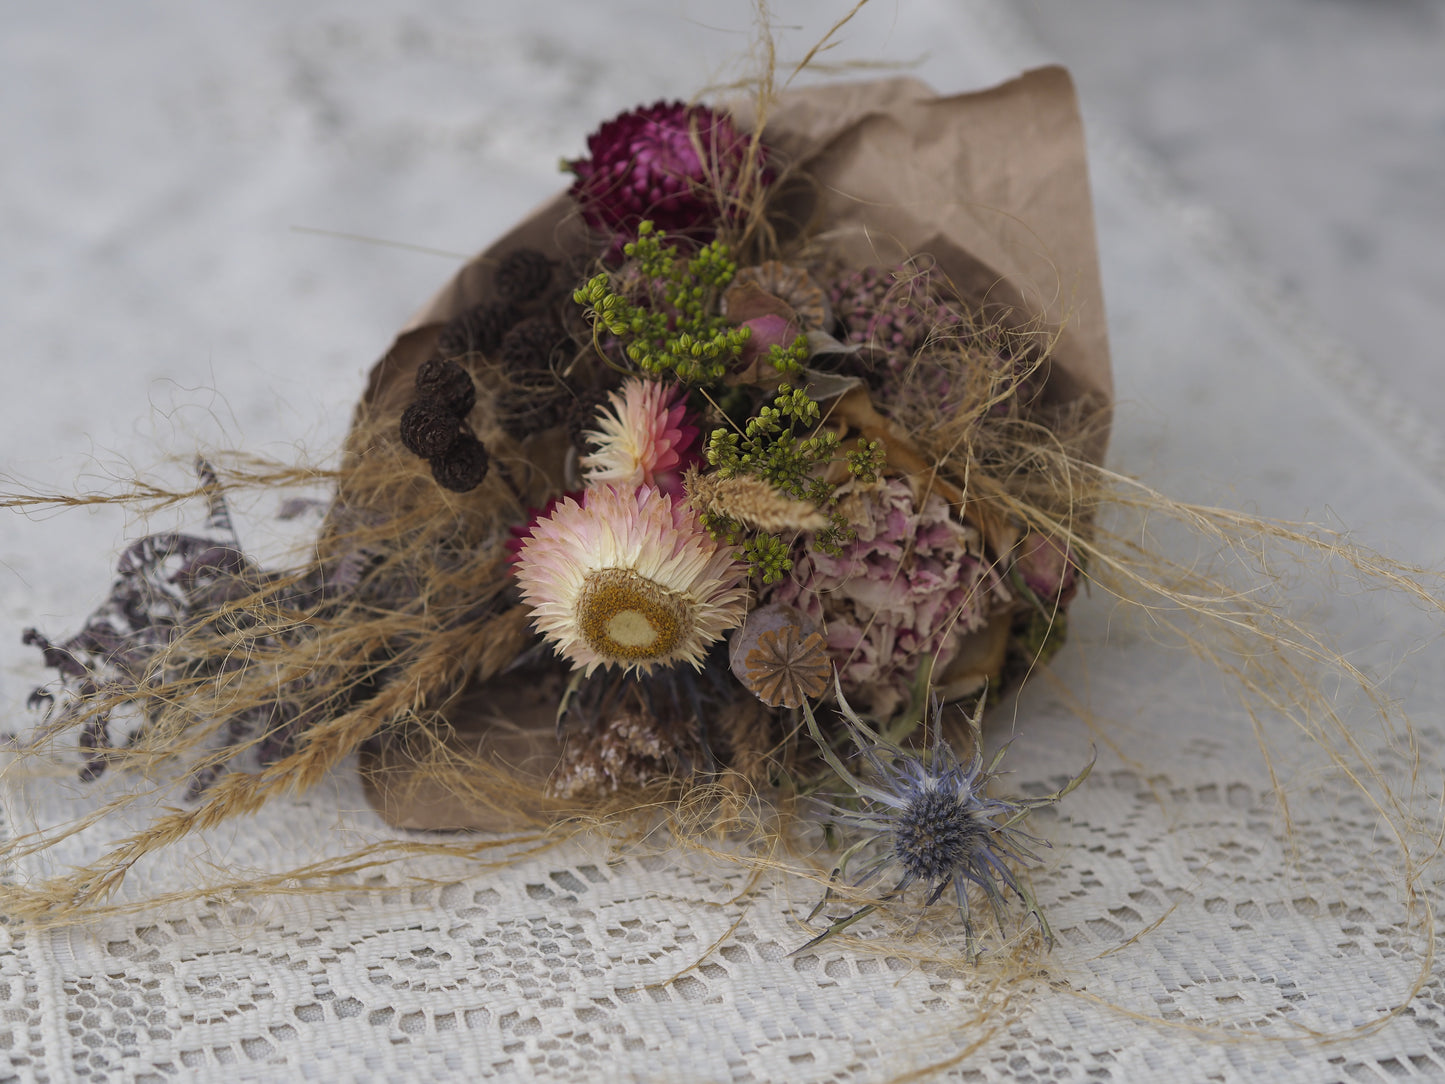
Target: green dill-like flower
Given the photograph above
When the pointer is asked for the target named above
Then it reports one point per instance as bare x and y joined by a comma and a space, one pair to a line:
866, 462
767, 554
683, 337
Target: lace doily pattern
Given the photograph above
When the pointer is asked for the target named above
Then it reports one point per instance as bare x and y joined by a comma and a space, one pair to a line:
1196, 941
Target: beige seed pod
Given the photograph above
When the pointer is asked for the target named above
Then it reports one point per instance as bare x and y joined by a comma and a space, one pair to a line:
752, 502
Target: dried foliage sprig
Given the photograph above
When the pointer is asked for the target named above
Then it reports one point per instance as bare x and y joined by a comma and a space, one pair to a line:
678, 332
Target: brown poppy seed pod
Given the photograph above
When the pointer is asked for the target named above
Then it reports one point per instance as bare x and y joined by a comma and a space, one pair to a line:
780, 656
523, 275
793, 286
447, 382
463, 466
428, 428
478, 330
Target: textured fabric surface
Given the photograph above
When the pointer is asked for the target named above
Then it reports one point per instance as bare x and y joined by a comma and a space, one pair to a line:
1203, 934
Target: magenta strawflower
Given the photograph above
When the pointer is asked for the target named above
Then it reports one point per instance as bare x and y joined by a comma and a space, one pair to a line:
684, 167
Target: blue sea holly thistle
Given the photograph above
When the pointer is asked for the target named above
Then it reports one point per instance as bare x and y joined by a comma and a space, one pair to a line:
929, 817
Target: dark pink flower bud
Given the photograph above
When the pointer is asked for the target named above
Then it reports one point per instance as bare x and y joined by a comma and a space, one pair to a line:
1046, 569
682, 167
767, 332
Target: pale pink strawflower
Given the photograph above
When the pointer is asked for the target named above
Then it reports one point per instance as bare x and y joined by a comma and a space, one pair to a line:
629, 578
643, 438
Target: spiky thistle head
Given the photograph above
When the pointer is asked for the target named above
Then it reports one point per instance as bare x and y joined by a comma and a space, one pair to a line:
929, 816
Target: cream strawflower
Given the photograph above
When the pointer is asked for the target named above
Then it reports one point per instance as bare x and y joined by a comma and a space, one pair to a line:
642, 439
629, 578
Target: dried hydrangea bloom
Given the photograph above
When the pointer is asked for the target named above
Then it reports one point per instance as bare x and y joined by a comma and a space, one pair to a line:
644, 438
629, 578
684, 167
892, 310
899, 594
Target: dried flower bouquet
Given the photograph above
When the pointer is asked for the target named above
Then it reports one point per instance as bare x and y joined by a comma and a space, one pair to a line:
758, 442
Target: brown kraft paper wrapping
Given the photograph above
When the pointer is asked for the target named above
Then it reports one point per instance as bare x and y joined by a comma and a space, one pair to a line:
992, 185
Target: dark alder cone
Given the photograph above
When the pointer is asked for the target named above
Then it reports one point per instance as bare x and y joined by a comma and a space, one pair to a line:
581, 416
463, 466
527, 409
479, 330
523, 275
528, 346
428, 428
447, 382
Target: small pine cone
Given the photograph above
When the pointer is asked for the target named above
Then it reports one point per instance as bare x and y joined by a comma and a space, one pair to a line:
523, 276
463, 466
448, 383
428, 428
528, 347
479, 330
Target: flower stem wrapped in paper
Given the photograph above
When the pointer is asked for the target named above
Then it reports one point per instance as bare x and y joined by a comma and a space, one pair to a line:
770, 401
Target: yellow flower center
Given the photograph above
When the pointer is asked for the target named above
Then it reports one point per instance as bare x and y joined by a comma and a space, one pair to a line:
626, 617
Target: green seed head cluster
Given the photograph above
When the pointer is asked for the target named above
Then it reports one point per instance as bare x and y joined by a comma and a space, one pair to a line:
671, 328
866, 462
683, 337
768, 556
789, 360
770, 446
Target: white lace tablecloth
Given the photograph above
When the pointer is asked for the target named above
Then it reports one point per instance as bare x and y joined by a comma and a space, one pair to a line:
162, 300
